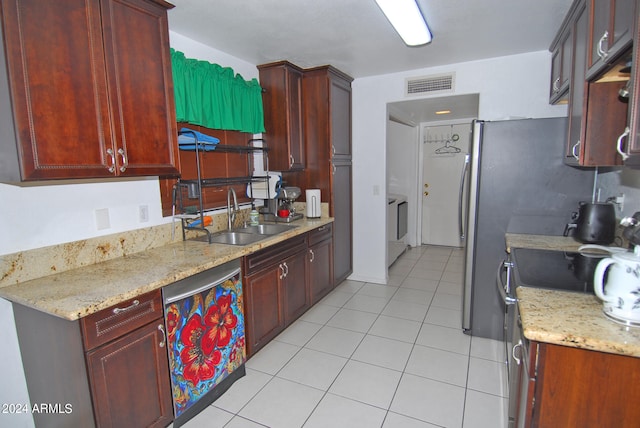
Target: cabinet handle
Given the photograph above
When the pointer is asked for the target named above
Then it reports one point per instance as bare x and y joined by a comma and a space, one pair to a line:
292, 160
281, 271
128, 308
601, 52
286, 272
333, 149
313, 256
518, 360
125, 163
112, 168
334, 169
164, 335
625, 134
573, 150
321, 228
556, 85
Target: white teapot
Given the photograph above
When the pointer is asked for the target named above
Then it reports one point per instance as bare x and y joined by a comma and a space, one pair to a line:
621, 294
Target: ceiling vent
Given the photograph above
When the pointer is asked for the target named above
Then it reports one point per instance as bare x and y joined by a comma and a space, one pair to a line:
434, 84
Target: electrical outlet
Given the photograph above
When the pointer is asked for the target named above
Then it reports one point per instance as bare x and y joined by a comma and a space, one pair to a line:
143, 213
620, 201
102, 219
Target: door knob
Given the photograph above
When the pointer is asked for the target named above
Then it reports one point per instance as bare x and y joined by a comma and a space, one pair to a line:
426, 185
426, 193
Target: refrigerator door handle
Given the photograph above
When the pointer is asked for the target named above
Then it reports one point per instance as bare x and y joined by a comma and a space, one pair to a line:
463, 176
503, 288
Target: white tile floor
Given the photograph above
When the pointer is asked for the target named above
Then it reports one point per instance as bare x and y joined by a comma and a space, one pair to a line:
372, 355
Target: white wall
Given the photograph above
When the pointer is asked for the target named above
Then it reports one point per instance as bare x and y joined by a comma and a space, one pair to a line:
402, 169
513, 86
43, 215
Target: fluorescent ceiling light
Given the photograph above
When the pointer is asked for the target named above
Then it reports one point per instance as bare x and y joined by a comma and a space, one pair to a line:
406, 18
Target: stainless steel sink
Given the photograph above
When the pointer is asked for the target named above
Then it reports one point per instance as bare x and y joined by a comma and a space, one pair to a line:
235, 238
249, 234
265, 229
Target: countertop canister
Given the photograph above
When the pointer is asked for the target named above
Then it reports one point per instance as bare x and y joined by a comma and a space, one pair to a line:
313, 203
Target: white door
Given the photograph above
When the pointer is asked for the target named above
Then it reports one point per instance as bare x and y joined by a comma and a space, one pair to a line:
444, 150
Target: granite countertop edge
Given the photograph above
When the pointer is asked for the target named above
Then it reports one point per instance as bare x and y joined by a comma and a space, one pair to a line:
86, 290
575, 320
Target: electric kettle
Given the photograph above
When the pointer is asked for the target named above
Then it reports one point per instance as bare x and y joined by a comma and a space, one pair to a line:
621, 293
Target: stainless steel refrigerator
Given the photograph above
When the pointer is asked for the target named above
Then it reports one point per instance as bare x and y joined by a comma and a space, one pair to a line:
517, 182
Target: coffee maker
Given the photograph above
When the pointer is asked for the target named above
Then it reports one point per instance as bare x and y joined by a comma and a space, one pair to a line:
281, 209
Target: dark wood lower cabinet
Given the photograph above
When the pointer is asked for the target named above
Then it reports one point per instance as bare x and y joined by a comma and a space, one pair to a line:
582, 388
296, 291
283, 281
320, 263
109, 369
129, 380
264, 315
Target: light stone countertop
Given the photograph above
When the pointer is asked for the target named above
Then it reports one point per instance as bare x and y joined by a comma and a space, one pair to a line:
79, 292
575, 320
541, 242
565, 318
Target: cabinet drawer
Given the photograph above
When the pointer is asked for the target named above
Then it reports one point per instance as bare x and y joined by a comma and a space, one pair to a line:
113, 322
274, 254
320, 234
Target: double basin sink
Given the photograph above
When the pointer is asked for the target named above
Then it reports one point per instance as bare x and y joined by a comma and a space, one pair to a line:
248, 234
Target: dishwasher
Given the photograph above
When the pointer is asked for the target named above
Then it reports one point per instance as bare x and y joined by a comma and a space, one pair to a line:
204, 323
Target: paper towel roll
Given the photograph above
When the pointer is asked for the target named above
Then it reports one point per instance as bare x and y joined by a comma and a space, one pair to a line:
313, 203
260, 190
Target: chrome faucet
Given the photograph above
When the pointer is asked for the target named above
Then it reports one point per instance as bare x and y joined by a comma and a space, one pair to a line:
231, 210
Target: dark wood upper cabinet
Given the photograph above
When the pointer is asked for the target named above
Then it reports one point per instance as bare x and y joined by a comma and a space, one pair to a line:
561, 56
597, 116
89, 86
282, 98
634, 103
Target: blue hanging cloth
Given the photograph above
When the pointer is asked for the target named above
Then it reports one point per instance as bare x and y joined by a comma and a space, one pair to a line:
188, 138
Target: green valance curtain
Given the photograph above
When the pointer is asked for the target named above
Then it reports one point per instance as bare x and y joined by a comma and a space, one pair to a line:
209, 95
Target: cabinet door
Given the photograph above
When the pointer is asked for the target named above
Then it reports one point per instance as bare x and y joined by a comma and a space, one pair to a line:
625, 12
129, 380
610, 32
341, 211
295, 142
340, 118
140, 87
58, 88
598, 34
634, 103
294, 286
264, 315
577, 88
556, 70
320, 270
584, 388
561, 67
282, 83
